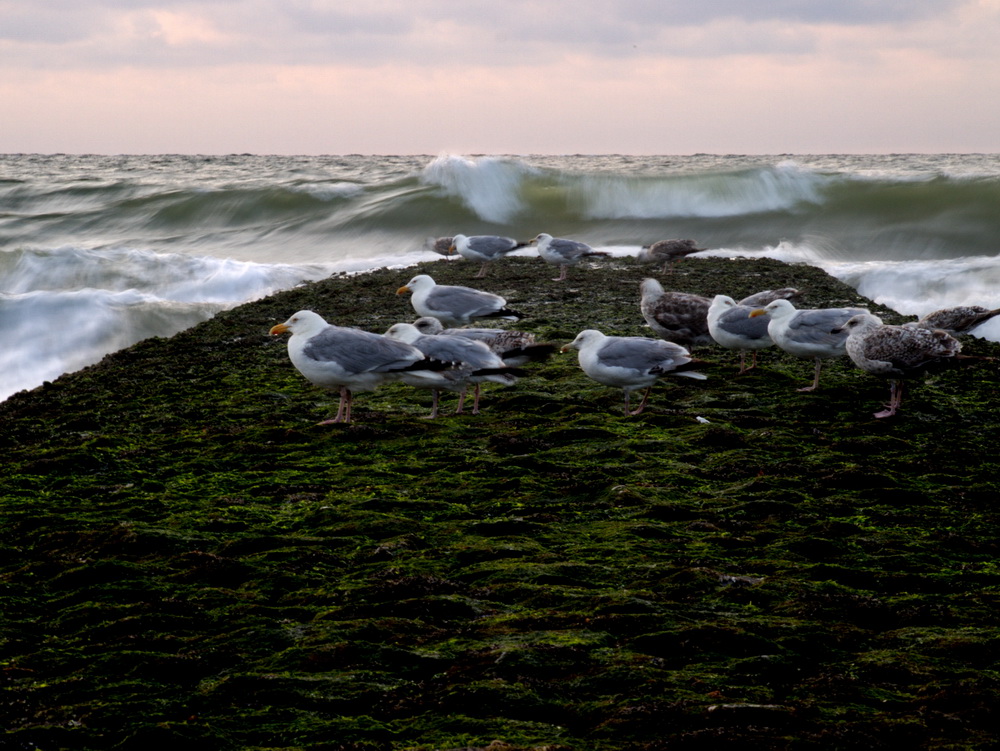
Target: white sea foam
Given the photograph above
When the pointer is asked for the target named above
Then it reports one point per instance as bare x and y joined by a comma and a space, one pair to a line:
489, 186
705, 195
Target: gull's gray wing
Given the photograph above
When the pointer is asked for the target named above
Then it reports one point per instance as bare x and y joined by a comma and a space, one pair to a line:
359, 351
463, 300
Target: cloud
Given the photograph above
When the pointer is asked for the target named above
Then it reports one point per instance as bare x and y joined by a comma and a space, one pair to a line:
421, 33
388, 76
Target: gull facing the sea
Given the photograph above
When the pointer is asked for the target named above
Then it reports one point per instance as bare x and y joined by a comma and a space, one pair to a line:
676, 317
668, 252
484, 248
562, 252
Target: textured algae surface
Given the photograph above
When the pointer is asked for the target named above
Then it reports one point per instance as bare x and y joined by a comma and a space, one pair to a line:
189, 561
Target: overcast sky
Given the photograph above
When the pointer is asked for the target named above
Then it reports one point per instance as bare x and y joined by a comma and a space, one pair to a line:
499, 76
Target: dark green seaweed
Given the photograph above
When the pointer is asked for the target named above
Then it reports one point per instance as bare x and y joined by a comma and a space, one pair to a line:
189, 561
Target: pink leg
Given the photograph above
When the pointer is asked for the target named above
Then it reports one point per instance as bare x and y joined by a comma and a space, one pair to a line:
482, 272
743, 361
895, 399
562, 273
461, 402
815, 383
345, 401
475, 400
435, 398
642, 404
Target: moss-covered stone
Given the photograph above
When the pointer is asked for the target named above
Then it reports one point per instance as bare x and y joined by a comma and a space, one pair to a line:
188, 559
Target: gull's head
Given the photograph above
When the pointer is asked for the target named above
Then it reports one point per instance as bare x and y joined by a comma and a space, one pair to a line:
428, 325
585, 337
860, 322
649, 288
777, 310
303, 322
403, 332
417, 283
540, 239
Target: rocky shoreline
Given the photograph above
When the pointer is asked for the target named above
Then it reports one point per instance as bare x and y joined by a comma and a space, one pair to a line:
189, 559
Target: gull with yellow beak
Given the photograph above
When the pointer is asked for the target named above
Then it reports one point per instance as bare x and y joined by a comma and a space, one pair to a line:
349, 360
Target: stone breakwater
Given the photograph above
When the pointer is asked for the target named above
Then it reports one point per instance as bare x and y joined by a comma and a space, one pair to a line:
189, 559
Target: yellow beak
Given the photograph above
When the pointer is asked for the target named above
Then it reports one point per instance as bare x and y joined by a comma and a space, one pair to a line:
757, 312
279, 329
402, 289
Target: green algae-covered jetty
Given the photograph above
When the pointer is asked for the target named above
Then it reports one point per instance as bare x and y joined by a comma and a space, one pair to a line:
190, 562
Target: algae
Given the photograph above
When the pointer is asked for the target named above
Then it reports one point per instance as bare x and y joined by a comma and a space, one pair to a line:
189, 559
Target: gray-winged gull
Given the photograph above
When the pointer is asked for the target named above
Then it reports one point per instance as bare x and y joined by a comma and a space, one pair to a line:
514, 347
470, 362
731, 326
667, 252
896, 352
351, 360
630, 362
485, 248
808, 333
677, 317
562, 252
454, 305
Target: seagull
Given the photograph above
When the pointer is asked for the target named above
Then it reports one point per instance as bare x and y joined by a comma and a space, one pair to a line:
630, 362
676, 317
348, 359
484, 248
760, 299
455, 306
731, 326
896, 352
440, 245
956, 321
807, 333
513, 347
668, 252
470, 361
563, 253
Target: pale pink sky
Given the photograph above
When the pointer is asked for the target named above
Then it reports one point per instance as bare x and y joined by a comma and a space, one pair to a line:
517, 76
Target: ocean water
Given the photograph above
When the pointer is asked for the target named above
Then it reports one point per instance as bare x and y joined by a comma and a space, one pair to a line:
99, 252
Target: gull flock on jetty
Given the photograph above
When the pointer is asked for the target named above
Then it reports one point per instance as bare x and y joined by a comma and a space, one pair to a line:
445, 348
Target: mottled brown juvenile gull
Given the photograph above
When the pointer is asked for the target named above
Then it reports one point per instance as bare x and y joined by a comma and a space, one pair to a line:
730, 325
453, 305
630, 362
676, 317
563, 253
957, 321
808, 333
668, 252
351, 360
441, 245
760, 299
513, 347
485, 248
896, 352
470, 362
